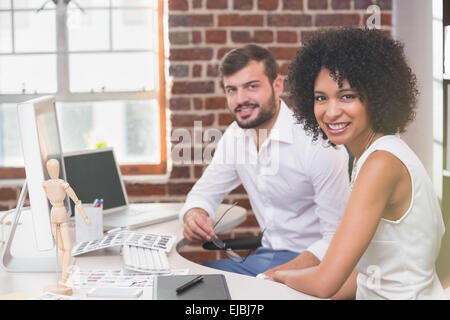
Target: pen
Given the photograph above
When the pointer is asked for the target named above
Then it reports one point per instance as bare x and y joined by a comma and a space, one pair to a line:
189, 284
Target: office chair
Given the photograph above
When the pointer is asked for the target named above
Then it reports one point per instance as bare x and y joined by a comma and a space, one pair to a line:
251, 243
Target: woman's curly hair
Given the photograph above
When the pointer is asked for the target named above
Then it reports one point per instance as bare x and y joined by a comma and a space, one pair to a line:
373, 64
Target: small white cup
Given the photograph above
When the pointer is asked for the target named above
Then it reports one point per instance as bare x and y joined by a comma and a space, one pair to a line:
83, 232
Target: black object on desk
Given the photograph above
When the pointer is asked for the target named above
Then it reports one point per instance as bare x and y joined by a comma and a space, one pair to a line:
189, 284
209, 287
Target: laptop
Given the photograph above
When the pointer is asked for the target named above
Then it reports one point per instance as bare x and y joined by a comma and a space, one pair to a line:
95, 174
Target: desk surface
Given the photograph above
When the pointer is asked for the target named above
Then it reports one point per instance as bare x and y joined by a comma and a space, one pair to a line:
240, 286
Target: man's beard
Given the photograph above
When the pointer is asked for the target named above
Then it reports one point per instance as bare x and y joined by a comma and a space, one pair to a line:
267, 112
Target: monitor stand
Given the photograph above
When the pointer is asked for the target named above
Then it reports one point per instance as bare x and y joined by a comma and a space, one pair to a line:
25, 264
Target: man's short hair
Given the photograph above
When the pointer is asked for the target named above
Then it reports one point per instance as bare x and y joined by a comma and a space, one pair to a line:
237, 59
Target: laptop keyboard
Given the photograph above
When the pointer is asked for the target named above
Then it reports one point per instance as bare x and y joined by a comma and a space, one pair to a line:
145, 260
137, 218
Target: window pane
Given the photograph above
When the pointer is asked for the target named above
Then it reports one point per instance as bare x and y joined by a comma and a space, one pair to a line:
135, 29
5, 32
32, 4
5, 4
10, 144
35, 32
93, 3
135, 3
89, 30
112, 72
130, 127
28, 74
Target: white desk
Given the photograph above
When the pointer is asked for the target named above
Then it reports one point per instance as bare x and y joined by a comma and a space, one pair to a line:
241, 287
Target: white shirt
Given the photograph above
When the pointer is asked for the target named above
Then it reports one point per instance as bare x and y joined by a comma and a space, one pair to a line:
400, 260
297, 188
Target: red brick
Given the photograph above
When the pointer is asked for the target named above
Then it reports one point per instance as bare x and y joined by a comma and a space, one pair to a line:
187, 120
179, 37
8, 194
240, 20
216, 36
287, 37
216, 103
222, 52
191, 54
225, 119
198, 103
289, 20
197, 20
178, 5
239, 190
364, 4
179, 188
198, 171
284, 69
241, 36
178, 71
335, 20
340, 4
284, 53
250, 221
180, 103
306, 35
263, 36
292, 4
212, 70
143, 189
180, 87
196, 37
179, 172
242, 4
317, 4
197, 4
217, 4
197, 71
268, 5
243, 202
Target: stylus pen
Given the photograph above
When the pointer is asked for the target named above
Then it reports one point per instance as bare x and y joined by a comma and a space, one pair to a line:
189, 284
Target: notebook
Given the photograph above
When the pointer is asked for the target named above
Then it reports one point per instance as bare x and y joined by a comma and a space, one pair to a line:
95, 174
212, 287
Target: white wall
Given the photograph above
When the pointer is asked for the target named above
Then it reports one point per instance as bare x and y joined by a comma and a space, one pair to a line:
415, 22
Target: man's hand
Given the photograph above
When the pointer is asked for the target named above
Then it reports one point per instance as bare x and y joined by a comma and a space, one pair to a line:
198, 226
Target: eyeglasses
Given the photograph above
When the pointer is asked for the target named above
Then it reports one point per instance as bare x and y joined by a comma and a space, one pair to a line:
222, 245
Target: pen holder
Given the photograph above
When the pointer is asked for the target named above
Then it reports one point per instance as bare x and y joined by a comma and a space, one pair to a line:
83, 232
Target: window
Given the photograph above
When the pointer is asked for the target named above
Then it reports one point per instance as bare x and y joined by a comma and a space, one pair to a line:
104, 62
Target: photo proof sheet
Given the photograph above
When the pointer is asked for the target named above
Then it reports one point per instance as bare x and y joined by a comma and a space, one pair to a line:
120, 238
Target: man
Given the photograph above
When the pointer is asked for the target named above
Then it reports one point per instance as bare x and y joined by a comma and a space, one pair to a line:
297, 188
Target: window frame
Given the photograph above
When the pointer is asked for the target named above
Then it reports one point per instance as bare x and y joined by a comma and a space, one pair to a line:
63, 92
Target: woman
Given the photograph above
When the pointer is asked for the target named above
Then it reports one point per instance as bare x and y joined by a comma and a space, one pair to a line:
352, 86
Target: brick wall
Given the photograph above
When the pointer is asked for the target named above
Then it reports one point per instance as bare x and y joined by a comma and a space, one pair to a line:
200, 33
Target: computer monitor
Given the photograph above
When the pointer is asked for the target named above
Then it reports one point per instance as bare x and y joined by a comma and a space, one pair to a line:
39, 135
94, 174
40, 142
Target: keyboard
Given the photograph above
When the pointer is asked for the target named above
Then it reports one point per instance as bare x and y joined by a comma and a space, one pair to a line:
145, 260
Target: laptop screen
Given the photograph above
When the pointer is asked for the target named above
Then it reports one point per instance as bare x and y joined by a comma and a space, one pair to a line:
94, 175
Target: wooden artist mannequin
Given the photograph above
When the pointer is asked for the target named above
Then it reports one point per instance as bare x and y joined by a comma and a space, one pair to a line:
56, 190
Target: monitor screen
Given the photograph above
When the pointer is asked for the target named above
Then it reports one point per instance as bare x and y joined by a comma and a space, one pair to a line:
94, 175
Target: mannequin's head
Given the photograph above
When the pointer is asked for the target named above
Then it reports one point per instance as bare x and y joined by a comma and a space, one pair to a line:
53, 168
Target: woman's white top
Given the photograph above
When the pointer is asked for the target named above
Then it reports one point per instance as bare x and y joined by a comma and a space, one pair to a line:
399, 263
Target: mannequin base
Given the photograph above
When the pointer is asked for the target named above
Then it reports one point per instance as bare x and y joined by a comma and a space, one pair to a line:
61, 289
